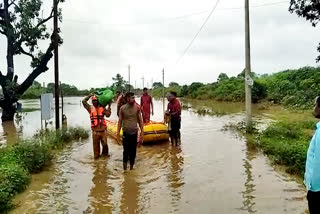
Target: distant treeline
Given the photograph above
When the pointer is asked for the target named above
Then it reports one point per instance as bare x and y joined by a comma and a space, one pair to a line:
292, 88
37, 89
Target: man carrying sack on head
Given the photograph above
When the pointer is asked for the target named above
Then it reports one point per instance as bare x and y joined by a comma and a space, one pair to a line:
98, 125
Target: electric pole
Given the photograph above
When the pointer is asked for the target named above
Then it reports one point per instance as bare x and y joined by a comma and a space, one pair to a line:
248, 80
56, 62
129, 77
142, 82
163, 91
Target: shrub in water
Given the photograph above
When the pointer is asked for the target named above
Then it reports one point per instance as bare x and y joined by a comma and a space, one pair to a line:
33, 155
13, 179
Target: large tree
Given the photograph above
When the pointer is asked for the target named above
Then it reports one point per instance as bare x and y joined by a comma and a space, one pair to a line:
156, 85
119, 83
23, 26
308, 9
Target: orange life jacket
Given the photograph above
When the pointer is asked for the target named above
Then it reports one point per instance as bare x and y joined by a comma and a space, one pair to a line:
97, 117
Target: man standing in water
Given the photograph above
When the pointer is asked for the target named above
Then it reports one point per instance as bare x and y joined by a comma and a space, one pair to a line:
129, 118
174, 112
312, 174
98, 125
145, 103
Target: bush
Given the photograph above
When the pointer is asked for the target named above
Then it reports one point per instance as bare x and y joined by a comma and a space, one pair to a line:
78, 132
29, 156
287, 144
32, 155
13, 178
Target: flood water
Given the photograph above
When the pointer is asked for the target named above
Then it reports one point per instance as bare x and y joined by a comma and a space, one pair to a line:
213, 171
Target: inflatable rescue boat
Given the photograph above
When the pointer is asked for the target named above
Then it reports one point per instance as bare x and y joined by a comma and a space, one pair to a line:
153, 131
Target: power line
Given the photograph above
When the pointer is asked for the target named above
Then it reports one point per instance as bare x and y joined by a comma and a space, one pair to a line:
176, 18
213, 9
202, 26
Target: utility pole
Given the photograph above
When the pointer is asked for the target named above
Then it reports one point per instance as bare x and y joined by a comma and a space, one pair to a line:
248, 80
163, 91
142, 82
129, 77
62, 104
56, 62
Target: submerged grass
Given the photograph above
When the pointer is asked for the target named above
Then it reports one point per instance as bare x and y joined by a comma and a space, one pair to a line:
30, 156
285, 142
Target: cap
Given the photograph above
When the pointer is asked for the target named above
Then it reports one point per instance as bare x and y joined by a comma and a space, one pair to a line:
94, 98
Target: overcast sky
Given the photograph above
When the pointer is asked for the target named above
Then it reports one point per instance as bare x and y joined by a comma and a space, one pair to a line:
102, 37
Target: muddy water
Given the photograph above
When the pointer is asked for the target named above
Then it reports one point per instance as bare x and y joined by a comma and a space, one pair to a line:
212, 172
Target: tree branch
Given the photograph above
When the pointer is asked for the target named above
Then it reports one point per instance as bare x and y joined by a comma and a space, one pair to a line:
2, 78
2, 13
13, 3
26, 53
45, 20
41, 68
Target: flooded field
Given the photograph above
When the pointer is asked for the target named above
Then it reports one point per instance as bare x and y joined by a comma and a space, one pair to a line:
212, 172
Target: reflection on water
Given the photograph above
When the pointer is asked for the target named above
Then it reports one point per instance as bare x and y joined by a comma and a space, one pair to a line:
248, 193
10, 135
212, 172
175, 178
100, 192
130, 193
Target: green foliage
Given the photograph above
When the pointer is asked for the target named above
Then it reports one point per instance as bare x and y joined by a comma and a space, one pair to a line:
294, 88
27, 27
119, 83
173, 85
287, 143
13, 179
29, 156
32, 154
222, 76
156, 85
35, 91
310, 10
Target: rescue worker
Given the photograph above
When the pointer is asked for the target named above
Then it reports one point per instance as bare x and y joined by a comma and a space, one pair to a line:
174, 112
129, 118
145, 103
98, 125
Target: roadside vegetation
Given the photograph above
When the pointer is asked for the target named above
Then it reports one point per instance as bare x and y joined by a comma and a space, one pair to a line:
291, 88
285, 142
35, 91
30, 156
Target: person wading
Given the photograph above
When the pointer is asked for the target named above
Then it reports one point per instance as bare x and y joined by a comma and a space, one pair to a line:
98, 125
129, 118
174, 113
145, 103
312, 174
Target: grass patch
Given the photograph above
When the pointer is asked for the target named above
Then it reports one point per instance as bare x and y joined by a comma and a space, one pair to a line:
26, 110
30, 156
287, 143
284, 142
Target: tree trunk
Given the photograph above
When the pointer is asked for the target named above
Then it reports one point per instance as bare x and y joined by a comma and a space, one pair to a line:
8, 111
10, 48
